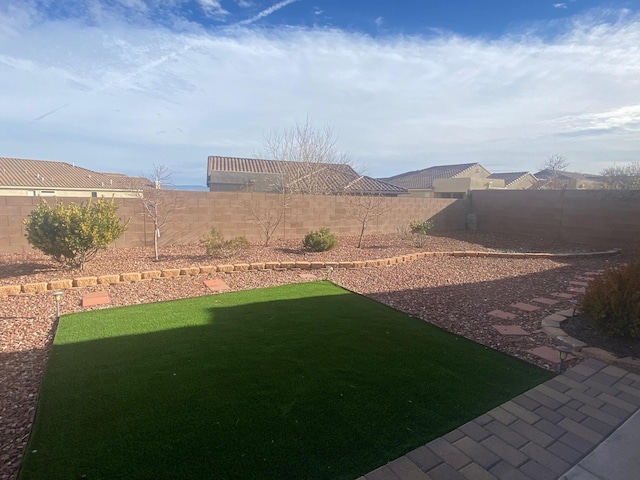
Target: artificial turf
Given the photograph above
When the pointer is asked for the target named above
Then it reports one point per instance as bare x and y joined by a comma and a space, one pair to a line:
304, 381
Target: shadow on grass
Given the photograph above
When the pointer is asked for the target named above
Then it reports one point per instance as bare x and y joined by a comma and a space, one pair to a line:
301, 381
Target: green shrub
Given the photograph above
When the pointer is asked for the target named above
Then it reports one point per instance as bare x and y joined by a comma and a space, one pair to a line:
216, 246
612, 301
320, 241
420, 231
72, 235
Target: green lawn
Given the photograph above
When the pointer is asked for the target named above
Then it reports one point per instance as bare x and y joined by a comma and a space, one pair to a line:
294, 382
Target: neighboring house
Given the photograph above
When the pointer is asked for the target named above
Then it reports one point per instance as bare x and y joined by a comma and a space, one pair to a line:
231, 174
513, 180
444, 181
39, 178
557, 179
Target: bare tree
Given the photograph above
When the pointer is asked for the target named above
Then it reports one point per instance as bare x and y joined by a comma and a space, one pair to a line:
314, 151
625, 177
555, 163
158, 205
552, 166
316, 168
266, 217
366, 208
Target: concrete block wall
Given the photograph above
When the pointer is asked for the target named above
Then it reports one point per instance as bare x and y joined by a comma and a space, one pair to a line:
199, 211
602, 218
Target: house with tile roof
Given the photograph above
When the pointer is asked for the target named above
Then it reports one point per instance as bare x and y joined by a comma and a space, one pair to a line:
232, 174
26, 177
513, 180
557, 179
443, 181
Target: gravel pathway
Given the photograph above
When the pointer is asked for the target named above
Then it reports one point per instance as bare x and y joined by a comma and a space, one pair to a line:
450, 292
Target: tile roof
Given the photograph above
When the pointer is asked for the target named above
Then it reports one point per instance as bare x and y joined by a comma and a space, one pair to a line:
44, 174
423, 179
564, 175
327, 177
508, 177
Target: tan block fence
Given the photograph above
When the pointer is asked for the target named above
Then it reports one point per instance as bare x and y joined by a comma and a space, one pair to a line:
602, 218
199, 211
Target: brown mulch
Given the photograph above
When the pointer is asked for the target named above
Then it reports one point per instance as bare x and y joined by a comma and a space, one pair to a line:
581, 327
452, 293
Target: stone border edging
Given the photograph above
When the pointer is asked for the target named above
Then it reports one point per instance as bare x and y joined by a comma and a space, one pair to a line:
77, 282
552, 326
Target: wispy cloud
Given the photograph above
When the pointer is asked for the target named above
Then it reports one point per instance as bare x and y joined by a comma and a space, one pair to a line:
560, 5
122, 97
213, 8
267, 11
626, 118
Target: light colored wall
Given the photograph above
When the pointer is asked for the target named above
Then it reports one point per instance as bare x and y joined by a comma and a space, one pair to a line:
415, 193
523, 183
43, 192
605, 218
227, 211
475, 172
465, 184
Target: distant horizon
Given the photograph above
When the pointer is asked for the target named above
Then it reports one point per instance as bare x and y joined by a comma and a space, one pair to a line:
405, 85
195, 188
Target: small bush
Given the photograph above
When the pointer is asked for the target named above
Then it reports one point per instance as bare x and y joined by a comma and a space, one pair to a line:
320, 241
612, 301
403, 231
420, 231
216, 246
72, 235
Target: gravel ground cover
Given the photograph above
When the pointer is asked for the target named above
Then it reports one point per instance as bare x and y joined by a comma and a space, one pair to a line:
450, 292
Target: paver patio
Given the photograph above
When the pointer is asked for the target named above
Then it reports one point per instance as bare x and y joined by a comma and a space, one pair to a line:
541, 434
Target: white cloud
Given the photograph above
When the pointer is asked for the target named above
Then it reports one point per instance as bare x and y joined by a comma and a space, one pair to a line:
267, 11
212, 8
560, 5
379, 21
120, 98
135, 5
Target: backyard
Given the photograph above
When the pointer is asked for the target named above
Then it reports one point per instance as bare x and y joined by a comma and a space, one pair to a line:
450, 292
298, 381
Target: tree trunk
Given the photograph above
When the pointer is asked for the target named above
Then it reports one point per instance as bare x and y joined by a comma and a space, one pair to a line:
364, 225
156, 234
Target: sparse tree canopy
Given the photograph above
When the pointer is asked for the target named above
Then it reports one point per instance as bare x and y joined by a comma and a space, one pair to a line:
555, 163
623, 177
266, 216
317, 168
313, 149
366, 208
158, 205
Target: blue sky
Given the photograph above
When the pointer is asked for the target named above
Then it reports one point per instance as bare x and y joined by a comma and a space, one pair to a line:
120, 85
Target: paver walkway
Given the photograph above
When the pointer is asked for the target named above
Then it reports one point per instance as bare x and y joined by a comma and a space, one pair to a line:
547, 353
542, 434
